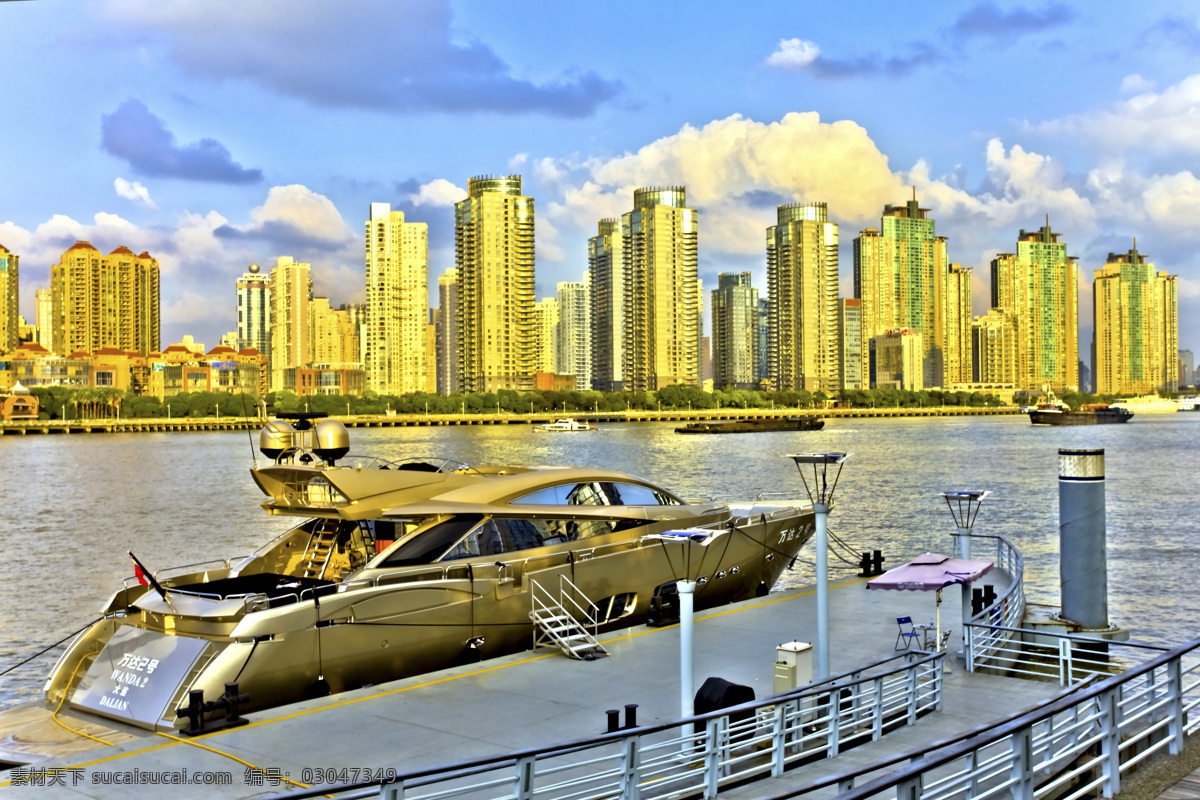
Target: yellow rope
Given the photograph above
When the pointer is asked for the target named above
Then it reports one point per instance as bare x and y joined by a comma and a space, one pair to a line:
244, 763
62, 699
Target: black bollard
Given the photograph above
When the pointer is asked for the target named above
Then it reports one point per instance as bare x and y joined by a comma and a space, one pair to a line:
614, 720
631, 715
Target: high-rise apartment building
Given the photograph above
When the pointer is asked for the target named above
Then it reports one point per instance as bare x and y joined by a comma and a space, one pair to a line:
357, 315
900, 277
397, 274
291, 319
662, 291
764, 341
105, 301
1136, 327
607, 268
1186, 368
956, 330
254, 311
802, 281
994, 348
447, 332
574, 331
545, 336
493, 248
43, 300
9, 299
735, 326
1038, 286
851, 375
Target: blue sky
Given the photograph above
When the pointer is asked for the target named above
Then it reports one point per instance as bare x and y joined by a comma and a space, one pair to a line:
216, 133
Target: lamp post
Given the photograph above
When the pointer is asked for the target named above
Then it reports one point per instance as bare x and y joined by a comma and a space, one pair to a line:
964, 508
168, 412
218, 411
820, 494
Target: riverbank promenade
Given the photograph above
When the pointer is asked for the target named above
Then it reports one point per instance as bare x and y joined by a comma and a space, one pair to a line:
187, 424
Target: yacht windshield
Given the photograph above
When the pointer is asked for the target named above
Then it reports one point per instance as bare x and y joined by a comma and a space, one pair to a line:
597, 493
425, 547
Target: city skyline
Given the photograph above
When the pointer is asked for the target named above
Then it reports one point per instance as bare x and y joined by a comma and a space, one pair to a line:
213, 163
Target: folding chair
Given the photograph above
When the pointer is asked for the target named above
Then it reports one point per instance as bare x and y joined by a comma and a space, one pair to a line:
905, 638
941, 644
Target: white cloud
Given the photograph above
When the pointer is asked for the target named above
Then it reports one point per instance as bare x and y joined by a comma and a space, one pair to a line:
1134, 84
1149, 122
303, 210
517, 162
794, 54
133, 191
437, 193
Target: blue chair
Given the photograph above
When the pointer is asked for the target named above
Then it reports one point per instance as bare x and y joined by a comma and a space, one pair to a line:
906, 638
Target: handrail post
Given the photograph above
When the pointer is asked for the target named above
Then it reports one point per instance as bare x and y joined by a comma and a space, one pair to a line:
713, 756
1064, 661
631, 767
1110, 741
835, 722
392, 791
1021, 743
910, 679
523, 790
910, 788
877, 721
779, 739
1175, 705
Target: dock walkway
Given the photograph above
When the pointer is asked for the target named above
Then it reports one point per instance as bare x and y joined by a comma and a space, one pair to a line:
536, 699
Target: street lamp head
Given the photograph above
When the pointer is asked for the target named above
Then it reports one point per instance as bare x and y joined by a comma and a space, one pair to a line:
964, 506
820, 491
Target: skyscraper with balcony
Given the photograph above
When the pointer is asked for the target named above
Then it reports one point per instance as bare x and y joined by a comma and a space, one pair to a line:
994, 348
662, 297
1136, 327
493, 247
9, 299
105, 301
1038, 286
291, 319
802, 281
850, 362
956, 330
607, 267
545, 333
735, 332
254, 311
574, 331
397, 275
900, 276
446, 334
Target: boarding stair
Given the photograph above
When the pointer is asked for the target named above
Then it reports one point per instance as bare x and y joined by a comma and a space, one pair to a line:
320, 548
554, 625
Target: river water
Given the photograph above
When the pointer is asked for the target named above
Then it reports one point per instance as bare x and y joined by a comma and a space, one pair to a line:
73, 505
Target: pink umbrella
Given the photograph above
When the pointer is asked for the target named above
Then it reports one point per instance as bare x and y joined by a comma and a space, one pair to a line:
931, 572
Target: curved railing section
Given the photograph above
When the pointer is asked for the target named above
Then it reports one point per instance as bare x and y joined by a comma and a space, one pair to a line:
988, 633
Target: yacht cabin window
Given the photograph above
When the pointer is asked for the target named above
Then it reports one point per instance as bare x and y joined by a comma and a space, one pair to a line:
501, 535
597, 493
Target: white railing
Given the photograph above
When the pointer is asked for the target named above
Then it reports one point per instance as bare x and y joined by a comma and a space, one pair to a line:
695, 756
1077, 746
988, 632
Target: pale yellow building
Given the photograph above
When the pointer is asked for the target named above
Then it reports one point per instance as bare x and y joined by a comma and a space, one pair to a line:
9, 300
547, 314
493, 243
662, 294
802, 285
397, 274
1136, 315
291, 319
1039, 286
104, 301
994, 348
335, 340
897, 359
43, 300
957, 360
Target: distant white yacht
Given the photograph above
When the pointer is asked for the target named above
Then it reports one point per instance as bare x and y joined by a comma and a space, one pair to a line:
1147, 404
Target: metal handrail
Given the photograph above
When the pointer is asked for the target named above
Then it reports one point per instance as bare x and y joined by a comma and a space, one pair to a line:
819, 719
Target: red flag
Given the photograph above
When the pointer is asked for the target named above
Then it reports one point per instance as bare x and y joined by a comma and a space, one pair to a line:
141, 576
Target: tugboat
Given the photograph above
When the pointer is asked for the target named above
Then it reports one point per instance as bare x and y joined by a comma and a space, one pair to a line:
806, 422
396, 569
